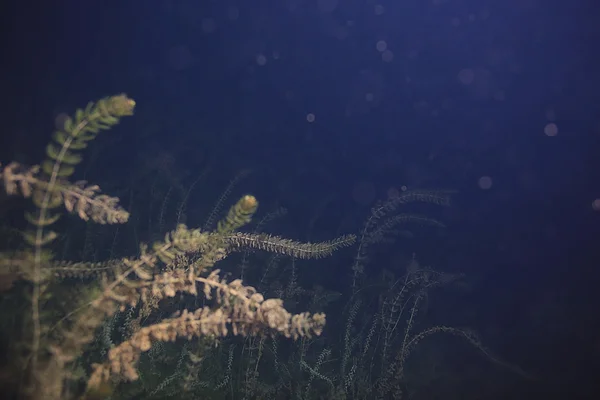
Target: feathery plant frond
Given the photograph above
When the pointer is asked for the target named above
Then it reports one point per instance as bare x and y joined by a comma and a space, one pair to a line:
79, 198
59, 165
82, 128
380, 224
182, 263
62, 157
209, 224
288, 247
239, 215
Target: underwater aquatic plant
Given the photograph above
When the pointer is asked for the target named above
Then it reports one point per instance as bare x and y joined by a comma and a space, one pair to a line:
183, 262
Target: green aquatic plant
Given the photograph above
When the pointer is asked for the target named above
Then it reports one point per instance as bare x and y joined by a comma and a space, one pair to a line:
183, 262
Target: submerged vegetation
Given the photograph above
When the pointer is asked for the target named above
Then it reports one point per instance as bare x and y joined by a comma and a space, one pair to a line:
163, 322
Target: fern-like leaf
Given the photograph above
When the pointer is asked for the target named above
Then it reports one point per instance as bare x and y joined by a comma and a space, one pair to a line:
239, 215
288, 247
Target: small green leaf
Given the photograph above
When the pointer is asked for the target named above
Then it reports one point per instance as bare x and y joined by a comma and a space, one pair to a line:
87, 138
91, 128
89, 107
31, 238
79, 115
71, 158
34, 219
68, 127
78, 144
63, 170
60, 137
52, 151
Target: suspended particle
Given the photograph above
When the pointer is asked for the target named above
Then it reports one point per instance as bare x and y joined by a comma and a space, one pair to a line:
261, 59
393, 193
387, 56
485, 182
310, 117
381, 46
59, 121
499, 95
208, 25
551, 129
466, 76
